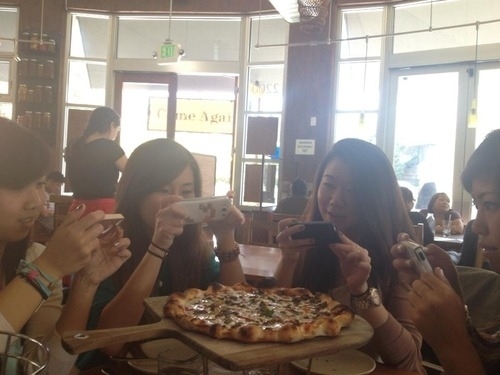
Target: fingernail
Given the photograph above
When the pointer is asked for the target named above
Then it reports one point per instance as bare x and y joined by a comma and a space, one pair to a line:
116, 244
408, 262
79, 207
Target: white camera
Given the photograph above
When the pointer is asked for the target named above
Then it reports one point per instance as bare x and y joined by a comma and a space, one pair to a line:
205, 209
416, 253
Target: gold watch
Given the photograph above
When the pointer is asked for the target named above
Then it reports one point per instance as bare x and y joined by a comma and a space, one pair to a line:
367, 300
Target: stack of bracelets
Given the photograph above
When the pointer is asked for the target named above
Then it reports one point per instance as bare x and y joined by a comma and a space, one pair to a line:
229, 255
35, 277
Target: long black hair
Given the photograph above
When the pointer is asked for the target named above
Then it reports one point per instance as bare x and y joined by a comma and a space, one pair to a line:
378, 206
100, 120
150, 167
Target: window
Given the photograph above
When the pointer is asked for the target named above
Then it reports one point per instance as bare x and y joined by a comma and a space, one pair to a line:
202, 39
357, 102
264, 108
8, 55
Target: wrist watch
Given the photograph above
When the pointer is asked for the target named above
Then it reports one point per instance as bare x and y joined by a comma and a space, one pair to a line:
367, 300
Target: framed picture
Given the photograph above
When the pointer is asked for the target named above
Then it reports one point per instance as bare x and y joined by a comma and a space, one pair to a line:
157, 113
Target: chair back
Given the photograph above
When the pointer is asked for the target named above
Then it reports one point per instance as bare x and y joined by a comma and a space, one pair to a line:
261, 227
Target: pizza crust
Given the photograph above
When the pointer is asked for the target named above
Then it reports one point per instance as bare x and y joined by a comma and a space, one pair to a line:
248, 314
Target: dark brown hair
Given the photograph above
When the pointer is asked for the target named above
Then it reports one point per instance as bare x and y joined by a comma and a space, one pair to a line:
150, 167
379, 207
24, 158
99, 121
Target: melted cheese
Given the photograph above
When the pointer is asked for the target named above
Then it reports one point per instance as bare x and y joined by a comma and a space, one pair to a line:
269, 311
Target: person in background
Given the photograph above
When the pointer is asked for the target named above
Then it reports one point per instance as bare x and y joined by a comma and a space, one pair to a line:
53, 184
30, 274
167, 255
297, 202
439, 206
94, 162
436, 307
354, 189
417, 217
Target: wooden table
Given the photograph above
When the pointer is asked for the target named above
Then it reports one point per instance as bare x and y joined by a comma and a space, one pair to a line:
259, 262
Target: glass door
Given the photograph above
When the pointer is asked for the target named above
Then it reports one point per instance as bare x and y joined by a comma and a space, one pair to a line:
431, 135
429, 121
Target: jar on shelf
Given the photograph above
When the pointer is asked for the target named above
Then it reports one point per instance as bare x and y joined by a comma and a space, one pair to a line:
46, 120
37, 94
23, 68
30, 96
51, 46
37, 120
24, 45
32, 67
48, 94
28, 119
35, 40
22, 93
49, 69
40, 70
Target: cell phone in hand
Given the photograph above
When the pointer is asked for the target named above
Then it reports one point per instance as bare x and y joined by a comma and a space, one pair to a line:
110, 222
324, 233
205, 209
417, 256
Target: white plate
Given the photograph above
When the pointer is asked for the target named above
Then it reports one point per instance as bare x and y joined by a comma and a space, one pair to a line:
348, 362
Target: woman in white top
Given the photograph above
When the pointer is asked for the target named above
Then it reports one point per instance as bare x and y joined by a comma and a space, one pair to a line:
30, 287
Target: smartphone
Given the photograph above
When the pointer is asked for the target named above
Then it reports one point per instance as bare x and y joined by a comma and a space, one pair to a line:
205, 209
416, 253
324, 233
110, 222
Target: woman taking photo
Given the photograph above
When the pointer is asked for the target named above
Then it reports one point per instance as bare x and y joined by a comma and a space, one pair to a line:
356, 189
167, 255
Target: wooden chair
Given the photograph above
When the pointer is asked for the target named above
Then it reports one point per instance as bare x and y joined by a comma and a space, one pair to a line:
261, 228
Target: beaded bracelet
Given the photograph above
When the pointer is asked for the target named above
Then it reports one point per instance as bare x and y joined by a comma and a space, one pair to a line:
228, 256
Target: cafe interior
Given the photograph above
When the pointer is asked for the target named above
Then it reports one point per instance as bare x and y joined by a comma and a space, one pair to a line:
259, 90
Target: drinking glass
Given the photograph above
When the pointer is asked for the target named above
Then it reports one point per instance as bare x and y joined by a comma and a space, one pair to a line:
446, 227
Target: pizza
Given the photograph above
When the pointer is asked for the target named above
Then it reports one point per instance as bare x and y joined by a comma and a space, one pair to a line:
248, 314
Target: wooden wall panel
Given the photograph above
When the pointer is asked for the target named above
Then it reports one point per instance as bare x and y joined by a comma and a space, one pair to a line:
308, 94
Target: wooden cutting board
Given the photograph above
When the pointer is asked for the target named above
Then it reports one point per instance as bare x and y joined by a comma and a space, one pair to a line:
229, 354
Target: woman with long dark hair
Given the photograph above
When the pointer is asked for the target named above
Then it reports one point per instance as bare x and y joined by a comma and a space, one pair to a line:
30, 274
355, 188
168, 255
94, 162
